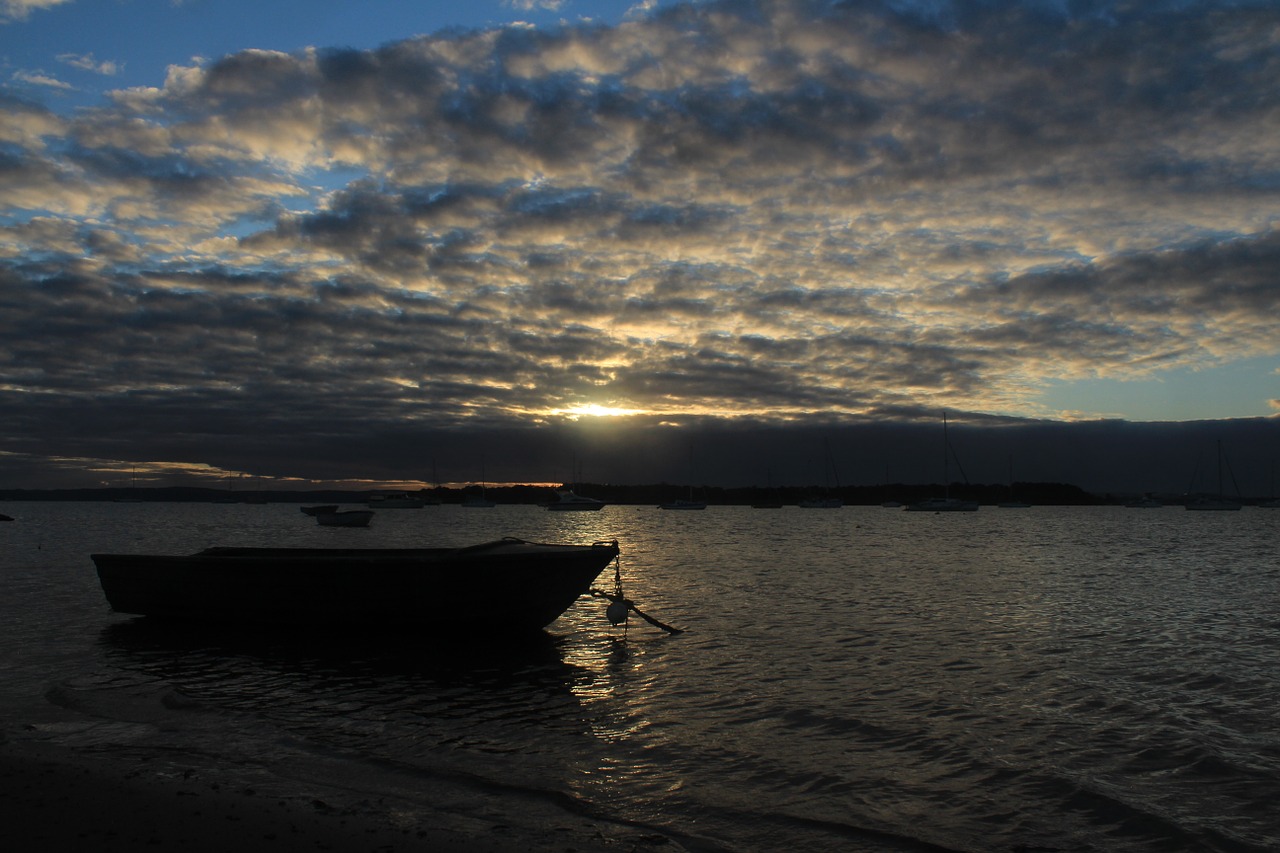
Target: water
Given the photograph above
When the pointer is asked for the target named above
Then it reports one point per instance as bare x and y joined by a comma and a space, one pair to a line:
1045, 679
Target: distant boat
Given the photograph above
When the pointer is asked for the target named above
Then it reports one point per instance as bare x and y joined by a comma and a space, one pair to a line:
319, 510
825, 501
681, 503
349, 518
132, 496
945, 503
1214, 502
567, 501
402, 500
494, 587
685, 503
770, 502
1144, 502
1013, 501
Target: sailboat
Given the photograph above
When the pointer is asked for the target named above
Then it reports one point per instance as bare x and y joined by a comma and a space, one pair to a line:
825, 501
1214, 502
770, 499
946, 503
477, 500
132, 497
683, 503
1013, 502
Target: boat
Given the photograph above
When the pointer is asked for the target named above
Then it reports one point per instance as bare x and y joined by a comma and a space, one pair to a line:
319, 510
825, 501
477, 500
689, 502
403, 500
349, 518
946, 503
500, 586
1210, 502
1218, 501
681, 503
4, 517
821, 503
1013, 501
943, 505
566, 500
1144, 502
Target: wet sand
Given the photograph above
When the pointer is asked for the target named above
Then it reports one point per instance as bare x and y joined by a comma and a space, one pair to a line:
53, 799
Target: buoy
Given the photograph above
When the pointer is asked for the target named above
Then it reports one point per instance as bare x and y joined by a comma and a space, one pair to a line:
617, 612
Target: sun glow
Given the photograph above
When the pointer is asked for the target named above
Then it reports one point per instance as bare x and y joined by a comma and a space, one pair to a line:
595, 410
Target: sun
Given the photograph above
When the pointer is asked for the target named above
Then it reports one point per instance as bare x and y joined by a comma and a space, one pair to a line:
595, 410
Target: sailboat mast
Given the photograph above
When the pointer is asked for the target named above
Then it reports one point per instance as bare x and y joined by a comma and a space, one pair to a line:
946, 458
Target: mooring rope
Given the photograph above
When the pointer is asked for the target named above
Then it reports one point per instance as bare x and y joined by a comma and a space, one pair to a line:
619, 604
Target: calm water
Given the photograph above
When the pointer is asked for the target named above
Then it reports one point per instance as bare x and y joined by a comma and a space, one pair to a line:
859, 679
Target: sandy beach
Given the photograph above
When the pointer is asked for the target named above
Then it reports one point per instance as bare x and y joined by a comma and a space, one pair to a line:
51, 798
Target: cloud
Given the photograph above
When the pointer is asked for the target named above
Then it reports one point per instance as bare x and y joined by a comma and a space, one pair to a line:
36, 78
745, 210
531, 5
107, 68
20, 10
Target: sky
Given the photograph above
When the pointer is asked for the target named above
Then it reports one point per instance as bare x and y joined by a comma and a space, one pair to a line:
391, 243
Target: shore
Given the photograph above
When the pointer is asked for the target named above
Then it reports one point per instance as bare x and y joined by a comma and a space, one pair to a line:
53, 799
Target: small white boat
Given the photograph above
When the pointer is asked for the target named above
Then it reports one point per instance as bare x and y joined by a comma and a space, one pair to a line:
1144, 502
681, 503
568, 501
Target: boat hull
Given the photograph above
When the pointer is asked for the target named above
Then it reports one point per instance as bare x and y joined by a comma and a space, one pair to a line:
349, 518
507, 585
943, 505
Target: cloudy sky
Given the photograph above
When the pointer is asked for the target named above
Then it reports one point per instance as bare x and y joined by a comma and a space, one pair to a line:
324, 242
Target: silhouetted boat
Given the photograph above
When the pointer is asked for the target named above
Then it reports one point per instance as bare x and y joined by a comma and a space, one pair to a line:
348, 518
1144, 502
397, 501
945, 503
496, 586
681, 503
319, 510
1215, 502
568, 501
1013, 501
